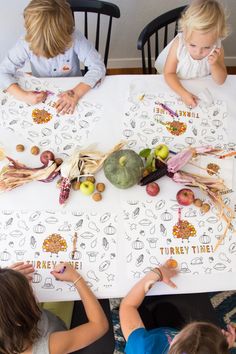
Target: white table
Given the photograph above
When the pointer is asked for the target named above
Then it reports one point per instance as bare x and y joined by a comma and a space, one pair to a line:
25, 201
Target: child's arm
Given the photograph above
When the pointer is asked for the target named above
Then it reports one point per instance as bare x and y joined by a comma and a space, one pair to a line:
15, 60
69, 99
85, 334
30, 97
218, 68
88, 55
172, 79
129, 315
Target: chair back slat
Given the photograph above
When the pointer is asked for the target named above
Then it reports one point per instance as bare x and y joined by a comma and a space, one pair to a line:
165, 36
108, 42
97, 32
86, 24
149, 57
176, 28
161, 22
100, 8
156, 44
143, 61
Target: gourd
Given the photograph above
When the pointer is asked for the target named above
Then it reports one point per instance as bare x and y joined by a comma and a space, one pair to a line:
123, 168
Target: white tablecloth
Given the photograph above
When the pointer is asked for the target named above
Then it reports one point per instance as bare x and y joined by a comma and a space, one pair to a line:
27, 201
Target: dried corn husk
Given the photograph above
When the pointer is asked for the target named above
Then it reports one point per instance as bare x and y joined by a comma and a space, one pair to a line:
213, 187
81, 163
16, 174
85, 162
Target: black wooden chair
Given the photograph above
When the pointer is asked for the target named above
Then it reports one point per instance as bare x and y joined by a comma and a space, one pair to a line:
160, 28
99, 8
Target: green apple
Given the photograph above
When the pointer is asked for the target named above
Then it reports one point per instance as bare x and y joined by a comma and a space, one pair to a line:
87, 187
162, 151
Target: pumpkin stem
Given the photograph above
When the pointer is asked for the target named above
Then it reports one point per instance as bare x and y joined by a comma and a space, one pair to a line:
122, 160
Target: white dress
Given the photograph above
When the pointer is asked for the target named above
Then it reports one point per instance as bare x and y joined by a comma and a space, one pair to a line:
187, 67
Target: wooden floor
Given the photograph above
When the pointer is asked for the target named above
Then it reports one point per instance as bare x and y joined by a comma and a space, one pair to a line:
129, 71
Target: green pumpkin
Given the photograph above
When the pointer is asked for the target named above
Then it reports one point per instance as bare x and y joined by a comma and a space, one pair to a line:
123, 168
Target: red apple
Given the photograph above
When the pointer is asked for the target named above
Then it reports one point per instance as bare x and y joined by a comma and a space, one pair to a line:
152, 189
185, 196
47, 156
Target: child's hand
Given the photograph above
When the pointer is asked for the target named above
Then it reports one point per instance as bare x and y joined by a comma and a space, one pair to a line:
65, 272
189, 99
24, 268
168, 273
214, 56
230, 335
34, 97
67, 102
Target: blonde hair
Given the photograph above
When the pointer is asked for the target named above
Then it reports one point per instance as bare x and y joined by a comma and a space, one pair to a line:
204, 16
200, 338
49, 26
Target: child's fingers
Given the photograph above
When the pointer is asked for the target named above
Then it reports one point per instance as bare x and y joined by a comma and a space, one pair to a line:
66, 108
22, 267
57, 275
17, 264
40, 96
171, 283
61, 106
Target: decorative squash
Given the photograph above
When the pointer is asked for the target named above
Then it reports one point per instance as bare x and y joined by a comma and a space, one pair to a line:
123, 168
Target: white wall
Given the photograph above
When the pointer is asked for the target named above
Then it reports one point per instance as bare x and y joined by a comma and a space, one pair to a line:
135, 14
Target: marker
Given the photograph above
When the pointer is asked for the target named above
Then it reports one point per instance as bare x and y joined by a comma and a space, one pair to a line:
48, 93
173, 152
62, 270
141, 97
168, 109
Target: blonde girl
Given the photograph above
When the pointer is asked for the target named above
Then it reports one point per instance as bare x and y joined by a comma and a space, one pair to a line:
196, 51
54, 49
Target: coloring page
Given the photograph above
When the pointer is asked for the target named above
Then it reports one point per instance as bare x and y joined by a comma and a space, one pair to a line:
42, 126
146, 123
160, 229
87, 240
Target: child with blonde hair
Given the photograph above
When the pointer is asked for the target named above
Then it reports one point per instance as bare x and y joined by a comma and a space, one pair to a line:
196, 51
54, 49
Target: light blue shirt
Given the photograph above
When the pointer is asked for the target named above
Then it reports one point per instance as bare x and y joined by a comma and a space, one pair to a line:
67, 64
